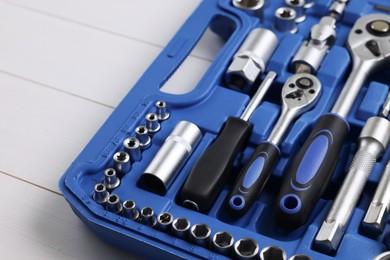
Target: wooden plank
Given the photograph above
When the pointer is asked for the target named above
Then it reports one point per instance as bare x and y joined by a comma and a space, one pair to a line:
42, 130
153, 21
89, 63
38, 224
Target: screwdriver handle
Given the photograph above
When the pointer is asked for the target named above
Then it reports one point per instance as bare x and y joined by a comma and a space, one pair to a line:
252, 178
212, 169
310, 172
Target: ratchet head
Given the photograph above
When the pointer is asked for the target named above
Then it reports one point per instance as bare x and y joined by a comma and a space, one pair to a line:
369, 41
300, 93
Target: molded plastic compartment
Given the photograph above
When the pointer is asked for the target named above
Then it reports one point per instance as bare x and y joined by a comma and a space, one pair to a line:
208, 106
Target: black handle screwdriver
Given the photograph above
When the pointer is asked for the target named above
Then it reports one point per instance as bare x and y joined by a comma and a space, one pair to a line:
212, 169
300, 93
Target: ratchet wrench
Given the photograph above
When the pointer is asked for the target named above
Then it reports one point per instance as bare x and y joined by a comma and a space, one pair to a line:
311, 169
300, 93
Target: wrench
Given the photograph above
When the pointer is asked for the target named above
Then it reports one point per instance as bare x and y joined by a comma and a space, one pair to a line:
311, 169
300, 93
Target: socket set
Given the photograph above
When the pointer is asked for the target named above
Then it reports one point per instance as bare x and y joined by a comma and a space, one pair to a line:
281, 151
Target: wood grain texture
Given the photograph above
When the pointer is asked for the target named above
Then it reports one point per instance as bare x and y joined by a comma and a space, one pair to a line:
38, 224
64, 66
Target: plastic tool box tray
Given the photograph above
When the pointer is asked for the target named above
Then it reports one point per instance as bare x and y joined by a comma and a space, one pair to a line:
208, 106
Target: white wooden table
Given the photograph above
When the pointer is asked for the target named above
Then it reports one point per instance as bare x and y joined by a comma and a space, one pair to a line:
64, 66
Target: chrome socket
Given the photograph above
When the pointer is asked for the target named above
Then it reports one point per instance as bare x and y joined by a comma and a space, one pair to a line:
147, 217
164, 222
111, 180
162, 112
171, 157
252, 7
200, 235
133, 148
181, 227
273, 253
142, 134
100, 194
299, 8
251, 59
122, 163
113, 204
246, 248
285, 20
152, 123
130, 210
223, 243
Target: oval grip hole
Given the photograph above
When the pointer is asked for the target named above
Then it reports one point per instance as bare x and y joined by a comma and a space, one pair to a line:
187, 76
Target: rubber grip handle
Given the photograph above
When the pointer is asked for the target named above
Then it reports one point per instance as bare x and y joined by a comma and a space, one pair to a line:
212, 169
310, 172
252, 178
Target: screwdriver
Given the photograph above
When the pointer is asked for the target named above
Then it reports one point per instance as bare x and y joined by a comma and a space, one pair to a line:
300, 93
311, 169
212, 169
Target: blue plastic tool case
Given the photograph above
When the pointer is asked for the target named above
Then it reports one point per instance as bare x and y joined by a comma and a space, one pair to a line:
208, 106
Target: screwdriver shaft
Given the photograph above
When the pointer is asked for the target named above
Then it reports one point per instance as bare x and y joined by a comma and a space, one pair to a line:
259, 95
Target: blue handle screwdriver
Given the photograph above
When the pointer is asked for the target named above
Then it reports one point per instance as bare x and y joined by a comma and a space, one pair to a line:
300, 93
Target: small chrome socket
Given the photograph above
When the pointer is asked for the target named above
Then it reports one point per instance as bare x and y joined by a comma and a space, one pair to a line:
147, 217
223, 243
273, 253
162, 111
200, 235
285, 20
299, 8
164, 222
122, 163
130, 210
113, 204
111, 180
181, 227
100, 194
133, 148
142, 134
246, 248
152, 123
252, 7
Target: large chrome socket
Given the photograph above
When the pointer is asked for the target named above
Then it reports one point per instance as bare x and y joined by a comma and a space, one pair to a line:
251, 59
171, 157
